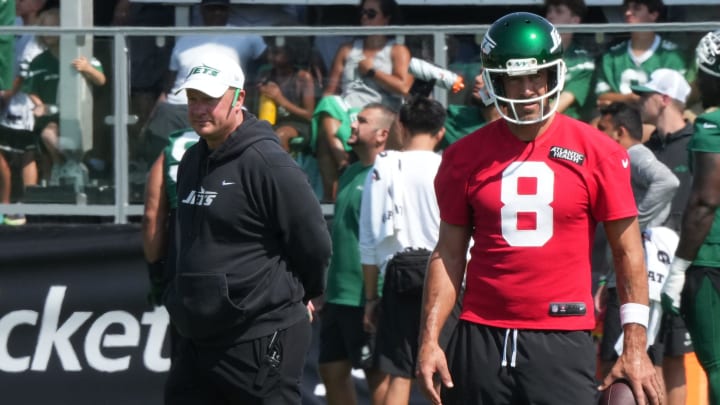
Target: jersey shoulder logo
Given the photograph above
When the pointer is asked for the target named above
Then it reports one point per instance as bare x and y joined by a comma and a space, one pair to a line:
619, 47
668, 45
625, 163
558, 152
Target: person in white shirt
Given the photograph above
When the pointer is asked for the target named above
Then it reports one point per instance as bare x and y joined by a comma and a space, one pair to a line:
170, 113
399, 225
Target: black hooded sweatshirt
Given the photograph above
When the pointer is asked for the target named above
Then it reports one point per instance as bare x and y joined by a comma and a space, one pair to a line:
672, 150
252, 242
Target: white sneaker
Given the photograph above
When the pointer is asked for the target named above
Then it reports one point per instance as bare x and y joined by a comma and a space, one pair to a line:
14, 220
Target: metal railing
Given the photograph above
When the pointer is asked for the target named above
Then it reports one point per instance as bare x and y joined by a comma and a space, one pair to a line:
121, 211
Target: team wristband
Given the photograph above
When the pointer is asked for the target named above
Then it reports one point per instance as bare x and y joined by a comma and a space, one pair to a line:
634, 313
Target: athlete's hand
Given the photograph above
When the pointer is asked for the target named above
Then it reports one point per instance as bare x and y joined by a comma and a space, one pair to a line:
635, 366
311, 310
82, 64
670, 293
271, 90
39, 110
371, 316
431, 361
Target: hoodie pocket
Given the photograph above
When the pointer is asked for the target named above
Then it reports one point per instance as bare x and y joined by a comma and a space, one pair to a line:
201, 308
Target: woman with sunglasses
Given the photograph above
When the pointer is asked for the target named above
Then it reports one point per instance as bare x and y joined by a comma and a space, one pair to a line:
370, 69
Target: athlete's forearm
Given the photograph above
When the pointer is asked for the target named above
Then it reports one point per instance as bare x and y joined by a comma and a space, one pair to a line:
371, 274
634, 339
702, 205
154, 221
628, 260
443, 280
697, 221
439, 296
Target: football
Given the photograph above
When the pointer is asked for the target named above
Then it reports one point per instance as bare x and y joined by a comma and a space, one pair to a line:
618, 393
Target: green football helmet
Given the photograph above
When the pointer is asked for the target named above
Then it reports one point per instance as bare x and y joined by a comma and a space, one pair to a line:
707, 54
520, 44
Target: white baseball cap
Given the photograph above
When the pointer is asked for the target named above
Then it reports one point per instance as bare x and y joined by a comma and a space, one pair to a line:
668, 82
213, 75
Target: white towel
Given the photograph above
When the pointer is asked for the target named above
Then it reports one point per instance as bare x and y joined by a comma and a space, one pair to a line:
660, 244
389, 168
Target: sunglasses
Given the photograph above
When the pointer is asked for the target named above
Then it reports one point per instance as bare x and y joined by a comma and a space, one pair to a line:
369, 13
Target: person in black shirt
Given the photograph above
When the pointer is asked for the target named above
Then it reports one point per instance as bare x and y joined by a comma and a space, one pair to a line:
252, 250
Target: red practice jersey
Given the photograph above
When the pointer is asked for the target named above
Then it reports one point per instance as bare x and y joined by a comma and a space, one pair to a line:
534, 207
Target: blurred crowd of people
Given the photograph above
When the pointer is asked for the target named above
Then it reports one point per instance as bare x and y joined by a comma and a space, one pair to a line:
369, 138
295, 74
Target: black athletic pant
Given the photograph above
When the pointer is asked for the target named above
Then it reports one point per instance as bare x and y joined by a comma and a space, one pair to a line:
264, 371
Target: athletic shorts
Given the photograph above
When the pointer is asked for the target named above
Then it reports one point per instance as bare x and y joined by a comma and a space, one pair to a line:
241, 373
397, 333
342, 336
494, 366
673, 338
398, 330
19, 139
612, 329
43, 121
700, 308
335, 107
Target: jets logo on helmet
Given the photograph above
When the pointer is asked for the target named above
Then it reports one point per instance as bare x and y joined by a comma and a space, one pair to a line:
521, 44
557, 41
487, 45
707, 54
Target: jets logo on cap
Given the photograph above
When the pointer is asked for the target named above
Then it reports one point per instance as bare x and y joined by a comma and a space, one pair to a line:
203, 70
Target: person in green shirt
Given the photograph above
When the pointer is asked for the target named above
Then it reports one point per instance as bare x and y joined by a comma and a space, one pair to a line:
692, 287
42, 87
343, 342
575, 99
631, 62
7, 48
7, 60
158, 221
464, 119
159, 211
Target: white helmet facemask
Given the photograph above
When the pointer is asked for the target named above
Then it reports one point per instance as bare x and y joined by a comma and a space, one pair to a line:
524, 67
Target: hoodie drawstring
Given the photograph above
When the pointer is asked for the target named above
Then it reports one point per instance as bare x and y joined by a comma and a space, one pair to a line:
513, 356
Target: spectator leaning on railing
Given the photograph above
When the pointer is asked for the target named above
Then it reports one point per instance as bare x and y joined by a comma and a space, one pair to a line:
369, 69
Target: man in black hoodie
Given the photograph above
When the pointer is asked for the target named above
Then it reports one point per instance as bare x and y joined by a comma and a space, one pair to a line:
252, 249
